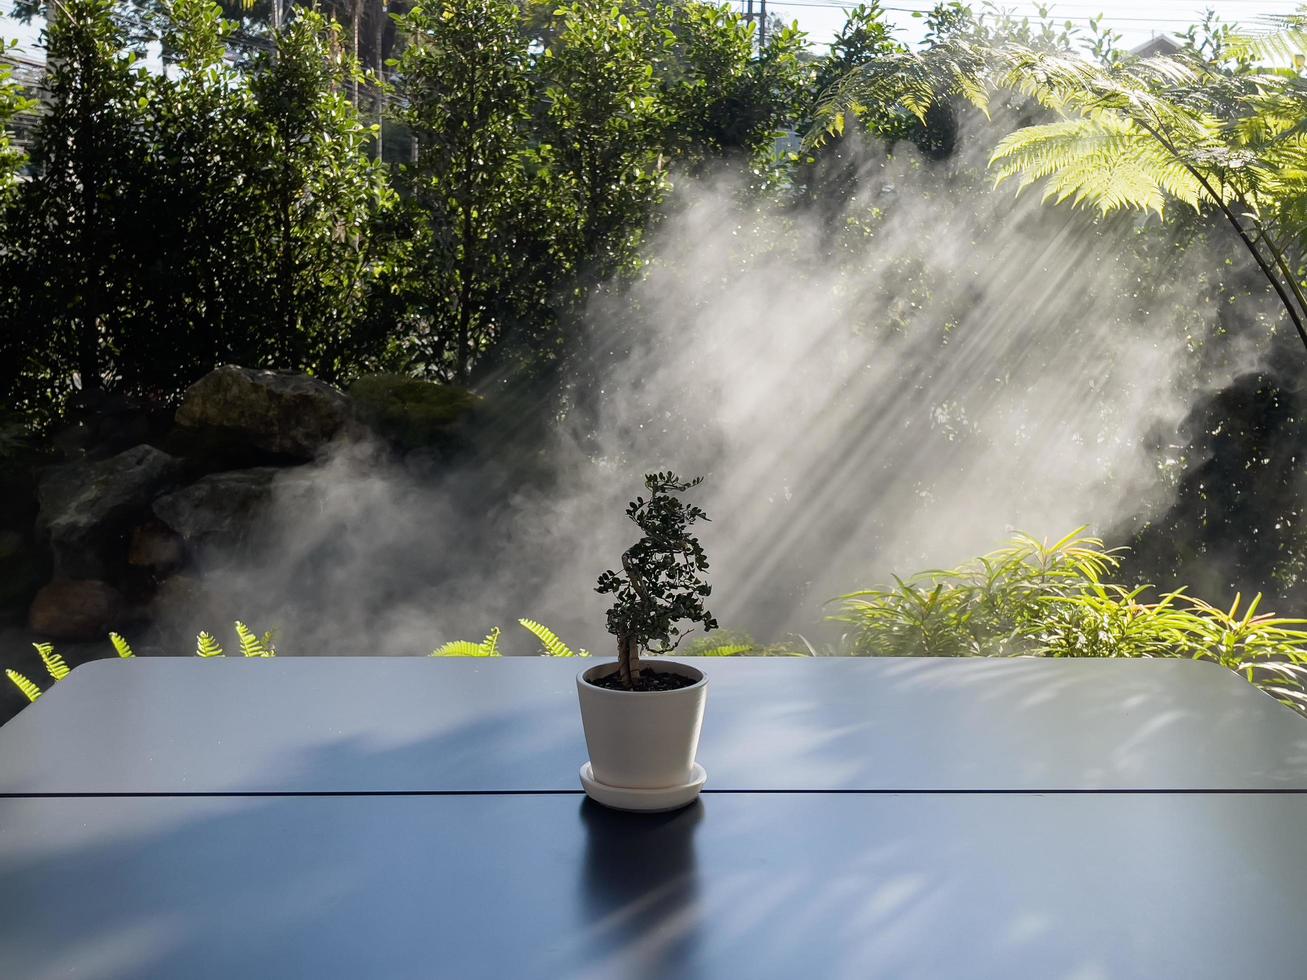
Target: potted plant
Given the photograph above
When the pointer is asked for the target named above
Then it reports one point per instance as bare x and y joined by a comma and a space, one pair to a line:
642, 721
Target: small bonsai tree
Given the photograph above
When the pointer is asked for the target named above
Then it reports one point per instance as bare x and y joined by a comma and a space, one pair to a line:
659, 585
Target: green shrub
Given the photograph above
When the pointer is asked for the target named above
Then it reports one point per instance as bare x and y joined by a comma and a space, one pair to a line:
1037, 599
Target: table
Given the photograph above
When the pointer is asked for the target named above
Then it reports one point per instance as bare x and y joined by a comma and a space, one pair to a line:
376, 817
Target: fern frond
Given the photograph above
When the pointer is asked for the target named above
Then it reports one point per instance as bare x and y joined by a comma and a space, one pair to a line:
462, 648
269, 641
121, 645
54, 664
251, 645
549, 640
207, 646
491, 643
1102, 160
1288, 39
29, 689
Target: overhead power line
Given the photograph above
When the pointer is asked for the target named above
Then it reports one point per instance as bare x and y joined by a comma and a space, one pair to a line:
1052, 14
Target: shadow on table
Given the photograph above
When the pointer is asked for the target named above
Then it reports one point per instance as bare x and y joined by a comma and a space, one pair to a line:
640, 887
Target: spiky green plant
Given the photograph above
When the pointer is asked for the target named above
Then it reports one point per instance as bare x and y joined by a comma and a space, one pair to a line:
121, 647
1049, 600
981, 608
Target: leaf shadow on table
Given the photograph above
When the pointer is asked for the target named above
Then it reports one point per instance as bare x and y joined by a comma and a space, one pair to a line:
1020, 723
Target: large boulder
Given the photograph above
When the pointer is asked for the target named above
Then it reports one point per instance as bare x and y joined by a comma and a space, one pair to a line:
76, 610
276, 411
408, 412
87, 509
222, 510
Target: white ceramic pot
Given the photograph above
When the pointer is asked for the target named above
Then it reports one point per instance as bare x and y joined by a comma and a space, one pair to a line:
642, 739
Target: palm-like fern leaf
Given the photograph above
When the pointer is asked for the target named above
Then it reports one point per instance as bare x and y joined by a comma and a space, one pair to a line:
463, 648
489, 647
121, 646
549, 640
29, 689
1102, 161
207, 646
251, 645
54, 664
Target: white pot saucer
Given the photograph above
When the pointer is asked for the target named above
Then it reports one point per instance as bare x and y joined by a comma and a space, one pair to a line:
645, 800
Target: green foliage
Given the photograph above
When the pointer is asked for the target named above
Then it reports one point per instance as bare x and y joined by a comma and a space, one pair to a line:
54, 663
319, 196
205, 646
489, 647
30, 690
120, 646
1133, 134
723, 643
472, 211
659, 585
253, 645
984, 607
68, 282
549, 641
1037, 599
176, 221
230, 209
13, 102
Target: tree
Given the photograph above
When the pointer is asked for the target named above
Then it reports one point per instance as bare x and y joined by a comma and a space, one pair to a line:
659, 584
13, 102
1134, 134
464, 93
90, 150
722, 101
198, 246
318, 199
603, 123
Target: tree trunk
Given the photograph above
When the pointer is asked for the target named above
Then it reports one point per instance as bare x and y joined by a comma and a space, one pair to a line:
355, 15
379, 63
466, 271
628, 660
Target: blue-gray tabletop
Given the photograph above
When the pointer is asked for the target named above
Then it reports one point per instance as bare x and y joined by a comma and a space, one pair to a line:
375, 817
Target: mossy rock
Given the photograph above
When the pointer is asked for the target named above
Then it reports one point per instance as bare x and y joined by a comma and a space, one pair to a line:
409, 412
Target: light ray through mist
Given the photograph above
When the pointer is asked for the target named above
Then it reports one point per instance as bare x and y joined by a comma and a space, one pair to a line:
862, 398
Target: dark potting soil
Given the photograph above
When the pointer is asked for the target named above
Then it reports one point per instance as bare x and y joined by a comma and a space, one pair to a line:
647, 679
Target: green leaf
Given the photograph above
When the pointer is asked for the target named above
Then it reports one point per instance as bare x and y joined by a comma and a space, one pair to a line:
207, 646
549, 641
27, 687
54, 664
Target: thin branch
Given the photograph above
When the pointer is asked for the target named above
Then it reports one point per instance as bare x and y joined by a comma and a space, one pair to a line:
1295, 314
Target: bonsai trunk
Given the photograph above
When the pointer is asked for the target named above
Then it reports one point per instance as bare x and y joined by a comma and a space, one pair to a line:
628, 658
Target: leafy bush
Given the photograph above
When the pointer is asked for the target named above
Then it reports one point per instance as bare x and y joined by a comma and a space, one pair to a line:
1037, 599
